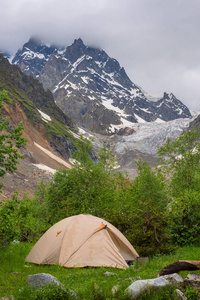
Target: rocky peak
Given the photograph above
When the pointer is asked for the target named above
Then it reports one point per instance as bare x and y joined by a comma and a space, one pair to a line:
76, 50
168, 96
170, 108
33, 56
78, 43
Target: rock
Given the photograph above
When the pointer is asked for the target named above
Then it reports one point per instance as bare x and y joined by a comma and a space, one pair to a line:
108, 274
41, 279
126, 131
115, 289
11, 297
179, 295
15, 273
193, 280
142, 286
175, 279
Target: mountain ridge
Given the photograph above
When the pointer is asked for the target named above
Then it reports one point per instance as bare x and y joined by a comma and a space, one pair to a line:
94, 90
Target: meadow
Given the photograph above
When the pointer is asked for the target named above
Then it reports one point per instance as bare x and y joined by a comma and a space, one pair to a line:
87, 283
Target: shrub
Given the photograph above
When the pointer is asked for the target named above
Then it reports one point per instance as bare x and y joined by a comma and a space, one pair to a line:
149, 215
185, 218
21, 220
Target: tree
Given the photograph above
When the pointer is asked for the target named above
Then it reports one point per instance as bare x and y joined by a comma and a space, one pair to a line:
89, 187
149, 202
181, 162
11, 141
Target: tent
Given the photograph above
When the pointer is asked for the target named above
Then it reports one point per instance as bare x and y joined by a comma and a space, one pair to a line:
80, 241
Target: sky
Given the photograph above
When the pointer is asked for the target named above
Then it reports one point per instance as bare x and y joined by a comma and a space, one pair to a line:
156, 41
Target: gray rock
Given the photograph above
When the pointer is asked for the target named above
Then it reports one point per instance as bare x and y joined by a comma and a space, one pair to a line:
115, 289
193, 280
42, 279
142, 286
179, 295
108, 274
174, 279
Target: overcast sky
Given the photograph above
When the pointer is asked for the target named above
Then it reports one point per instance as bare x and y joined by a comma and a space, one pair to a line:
156, 41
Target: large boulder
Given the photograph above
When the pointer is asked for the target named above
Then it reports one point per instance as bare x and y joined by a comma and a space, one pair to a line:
41, 279
142, 286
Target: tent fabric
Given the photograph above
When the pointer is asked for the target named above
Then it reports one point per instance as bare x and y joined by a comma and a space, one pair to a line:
80, 241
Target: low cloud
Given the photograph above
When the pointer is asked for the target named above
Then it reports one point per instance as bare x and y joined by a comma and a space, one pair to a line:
157, 42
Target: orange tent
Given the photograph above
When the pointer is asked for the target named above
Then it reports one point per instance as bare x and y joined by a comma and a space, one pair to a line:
80, 241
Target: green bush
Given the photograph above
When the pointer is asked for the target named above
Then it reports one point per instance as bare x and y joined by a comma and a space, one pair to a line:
21, 220
181, 165
184, 213
149, 214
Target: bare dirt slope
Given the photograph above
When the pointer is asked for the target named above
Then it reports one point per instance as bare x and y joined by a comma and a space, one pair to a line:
40, 160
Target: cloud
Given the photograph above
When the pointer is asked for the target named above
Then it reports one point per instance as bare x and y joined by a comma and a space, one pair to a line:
156, 41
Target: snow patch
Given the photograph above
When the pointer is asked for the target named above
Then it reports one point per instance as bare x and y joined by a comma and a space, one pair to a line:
44, 116
31, 55
159, 121
140, 120
83, 132
54, 157
45, 168
108, 104
78, 61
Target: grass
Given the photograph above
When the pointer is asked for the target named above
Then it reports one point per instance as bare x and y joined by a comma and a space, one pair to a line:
87, 283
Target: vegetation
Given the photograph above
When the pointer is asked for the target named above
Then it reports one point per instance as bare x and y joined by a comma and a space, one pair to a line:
87, 283
181, 164
152, 212
158, 212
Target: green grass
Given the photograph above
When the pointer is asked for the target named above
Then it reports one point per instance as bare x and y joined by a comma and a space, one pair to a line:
87, 283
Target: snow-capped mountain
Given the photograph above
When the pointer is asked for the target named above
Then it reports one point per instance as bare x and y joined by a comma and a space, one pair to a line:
93, 89
33, 56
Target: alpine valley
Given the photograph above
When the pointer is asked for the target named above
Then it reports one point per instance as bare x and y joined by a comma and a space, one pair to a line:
61, 92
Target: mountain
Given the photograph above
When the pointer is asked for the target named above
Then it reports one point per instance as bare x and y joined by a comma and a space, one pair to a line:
33, 56
50, 133
93, 89
29, 95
